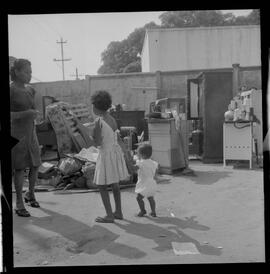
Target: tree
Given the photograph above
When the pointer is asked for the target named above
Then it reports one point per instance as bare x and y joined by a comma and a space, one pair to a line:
206, 18
122, 56
194, 18
133, 67
254, 17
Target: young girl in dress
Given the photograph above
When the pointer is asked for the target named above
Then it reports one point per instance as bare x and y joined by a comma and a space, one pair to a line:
146, 184
110, 166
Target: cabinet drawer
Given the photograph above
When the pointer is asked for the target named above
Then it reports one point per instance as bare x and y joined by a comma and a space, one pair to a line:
162, 157
162, 129
162, 143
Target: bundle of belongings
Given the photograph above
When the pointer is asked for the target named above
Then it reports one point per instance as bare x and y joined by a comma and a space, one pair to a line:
76, 166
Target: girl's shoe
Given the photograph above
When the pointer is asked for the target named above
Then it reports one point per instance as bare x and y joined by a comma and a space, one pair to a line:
153, 214
141, 213
32, 202
22, 212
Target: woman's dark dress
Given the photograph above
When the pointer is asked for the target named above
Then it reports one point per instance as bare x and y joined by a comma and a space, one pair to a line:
26, 153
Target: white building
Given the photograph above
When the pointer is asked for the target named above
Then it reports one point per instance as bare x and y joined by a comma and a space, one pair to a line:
201, 48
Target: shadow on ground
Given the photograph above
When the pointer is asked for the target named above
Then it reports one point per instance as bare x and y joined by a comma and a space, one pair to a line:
189, 222
164, 237
208, 177
87, 239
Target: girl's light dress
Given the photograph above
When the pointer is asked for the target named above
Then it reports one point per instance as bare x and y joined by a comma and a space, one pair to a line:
146, 185
110, 166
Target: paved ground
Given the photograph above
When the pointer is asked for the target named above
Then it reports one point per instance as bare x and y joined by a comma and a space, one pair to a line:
220, 212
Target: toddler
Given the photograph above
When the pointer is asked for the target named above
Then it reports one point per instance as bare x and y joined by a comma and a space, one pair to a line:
146, 184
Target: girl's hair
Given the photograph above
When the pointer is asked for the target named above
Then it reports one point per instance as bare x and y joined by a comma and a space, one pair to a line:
145, 150
18, 64
102, 100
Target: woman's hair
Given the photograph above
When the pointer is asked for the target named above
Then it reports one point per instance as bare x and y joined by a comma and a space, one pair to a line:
18, 64
102, 100
145, 150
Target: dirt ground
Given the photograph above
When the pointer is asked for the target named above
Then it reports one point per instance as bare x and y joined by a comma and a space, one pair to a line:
220, 212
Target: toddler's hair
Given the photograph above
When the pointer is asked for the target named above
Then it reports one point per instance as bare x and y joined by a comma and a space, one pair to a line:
145, 150
102, 100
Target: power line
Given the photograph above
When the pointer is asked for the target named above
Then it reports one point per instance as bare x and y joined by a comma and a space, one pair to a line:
42, 26
58, 66
54, 30
62, 56
38, 28
50, 45
77, 75
29, 20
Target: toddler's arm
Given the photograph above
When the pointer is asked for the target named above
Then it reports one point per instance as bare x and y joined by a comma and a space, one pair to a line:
156, 173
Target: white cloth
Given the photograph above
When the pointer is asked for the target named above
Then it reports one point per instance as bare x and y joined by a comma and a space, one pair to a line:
110, 166
88, 154
146, 184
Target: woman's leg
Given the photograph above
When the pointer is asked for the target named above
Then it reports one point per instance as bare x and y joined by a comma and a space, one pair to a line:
141, 205
18, 182
106, 202
152, 206
117, 199
32, 177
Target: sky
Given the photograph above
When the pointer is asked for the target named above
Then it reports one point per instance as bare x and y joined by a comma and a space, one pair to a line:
86, 35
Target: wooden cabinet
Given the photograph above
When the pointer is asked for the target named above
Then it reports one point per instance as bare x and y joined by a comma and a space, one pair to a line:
169, 149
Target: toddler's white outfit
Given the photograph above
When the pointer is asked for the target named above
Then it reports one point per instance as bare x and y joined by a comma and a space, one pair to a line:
146, 184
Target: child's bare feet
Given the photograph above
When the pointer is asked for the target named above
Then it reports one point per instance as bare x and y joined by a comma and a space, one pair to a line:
105, 219
141, 214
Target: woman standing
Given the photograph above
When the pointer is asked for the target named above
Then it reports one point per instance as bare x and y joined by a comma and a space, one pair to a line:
26, 152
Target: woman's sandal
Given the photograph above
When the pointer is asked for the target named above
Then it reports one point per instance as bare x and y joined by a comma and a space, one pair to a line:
32, 202
104, 220
22, 212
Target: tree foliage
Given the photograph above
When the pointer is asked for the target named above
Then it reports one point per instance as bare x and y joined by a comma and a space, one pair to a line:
120, 54
123, 56
206, 18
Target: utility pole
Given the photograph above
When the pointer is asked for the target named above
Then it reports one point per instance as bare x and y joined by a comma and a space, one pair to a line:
77, 75
62, 57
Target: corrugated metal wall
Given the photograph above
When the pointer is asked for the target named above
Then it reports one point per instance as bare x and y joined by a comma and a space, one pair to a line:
202, 48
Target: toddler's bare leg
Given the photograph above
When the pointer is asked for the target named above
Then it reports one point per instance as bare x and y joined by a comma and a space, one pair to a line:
152, 205
141, 205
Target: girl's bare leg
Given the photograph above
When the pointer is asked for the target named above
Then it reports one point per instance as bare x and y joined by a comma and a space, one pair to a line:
107, 204
117, 198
